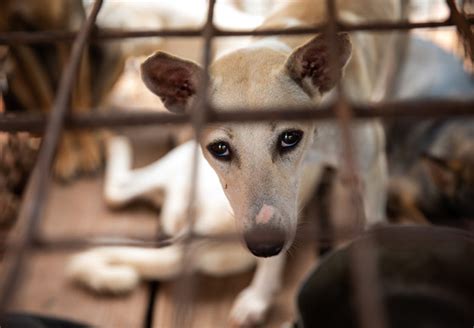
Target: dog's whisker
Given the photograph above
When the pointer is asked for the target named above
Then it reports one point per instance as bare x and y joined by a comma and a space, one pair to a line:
289, 252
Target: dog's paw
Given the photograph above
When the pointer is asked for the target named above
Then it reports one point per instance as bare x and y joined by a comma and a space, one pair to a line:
91, 158
92, 270
249, 309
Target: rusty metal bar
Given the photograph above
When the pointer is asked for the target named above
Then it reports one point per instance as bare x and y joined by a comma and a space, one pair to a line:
17, 37
198, 117
78, 243
21, 37
416, 109
34, 202
463, 27
201, 107
66, 244
343, 112
363, 270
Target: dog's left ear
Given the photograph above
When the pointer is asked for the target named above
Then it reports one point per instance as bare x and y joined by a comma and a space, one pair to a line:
309, 65
173, 79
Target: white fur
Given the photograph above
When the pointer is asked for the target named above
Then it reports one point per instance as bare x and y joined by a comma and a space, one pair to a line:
256, 77
119, 269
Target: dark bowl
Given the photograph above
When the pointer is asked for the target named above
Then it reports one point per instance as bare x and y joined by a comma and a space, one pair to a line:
426, 279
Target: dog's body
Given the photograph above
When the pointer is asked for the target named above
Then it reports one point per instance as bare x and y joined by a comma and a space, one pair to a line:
268, 170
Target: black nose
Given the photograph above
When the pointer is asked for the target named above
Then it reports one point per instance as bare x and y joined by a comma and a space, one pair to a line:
265, 241
263, 250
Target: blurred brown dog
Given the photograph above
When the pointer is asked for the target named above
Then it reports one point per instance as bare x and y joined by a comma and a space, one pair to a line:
33, 72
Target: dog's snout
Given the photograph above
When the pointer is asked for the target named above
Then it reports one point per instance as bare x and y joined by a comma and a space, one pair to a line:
265, 241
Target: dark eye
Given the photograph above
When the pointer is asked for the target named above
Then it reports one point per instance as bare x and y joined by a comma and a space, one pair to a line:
289, 139
220, 150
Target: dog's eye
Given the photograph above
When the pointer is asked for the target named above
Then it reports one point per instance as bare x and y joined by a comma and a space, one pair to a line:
220, 150
289, 139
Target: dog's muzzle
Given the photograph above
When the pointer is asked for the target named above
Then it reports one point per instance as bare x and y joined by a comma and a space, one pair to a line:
264, 240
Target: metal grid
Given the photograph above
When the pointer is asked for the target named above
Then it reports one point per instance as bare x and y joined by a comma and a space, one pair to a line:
364, 273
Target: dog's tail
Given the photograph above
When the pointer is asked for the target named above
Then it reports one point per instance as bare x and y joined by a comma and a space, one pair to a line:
120, 269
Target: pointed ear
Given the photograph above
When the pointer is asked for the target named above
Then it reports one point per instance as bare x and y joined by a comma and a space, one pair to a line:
173, 79
309, 65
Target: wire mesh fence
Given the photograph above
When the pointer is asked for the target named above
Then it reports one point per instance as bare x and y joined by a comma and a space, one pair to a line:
27, 235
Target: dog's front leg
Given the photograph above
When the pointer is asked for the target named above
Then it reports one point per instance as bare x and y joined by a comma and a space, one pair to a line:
123, 184
254, 301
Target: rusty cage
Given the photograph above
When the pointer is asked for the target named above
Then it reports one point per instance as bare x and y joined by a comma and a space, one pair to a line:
26, 236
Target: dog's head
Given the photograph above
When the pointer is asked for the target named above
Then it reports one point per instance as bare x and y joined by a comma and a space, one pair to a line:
258, 164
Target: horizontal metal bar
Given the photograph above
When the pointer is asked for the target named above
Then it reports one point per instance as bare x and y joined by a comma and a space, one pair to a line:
344, 27
416, 109
420, 109
42, 243
20, 37
77, 243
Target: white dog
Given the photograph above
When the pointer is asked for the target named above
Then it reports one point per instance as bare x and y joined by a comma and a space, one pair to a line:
266, 170
119, 269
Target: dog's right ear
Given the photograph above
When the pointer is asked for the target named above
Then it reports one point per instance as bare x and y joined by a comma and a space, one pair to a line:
173, 79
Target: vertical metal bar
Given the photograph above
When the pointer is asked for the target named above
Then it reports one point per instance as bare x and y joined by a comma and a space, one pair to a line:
199, 114
343, 113
319, 211
149, 313
363, 269
35, 196
463, 27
